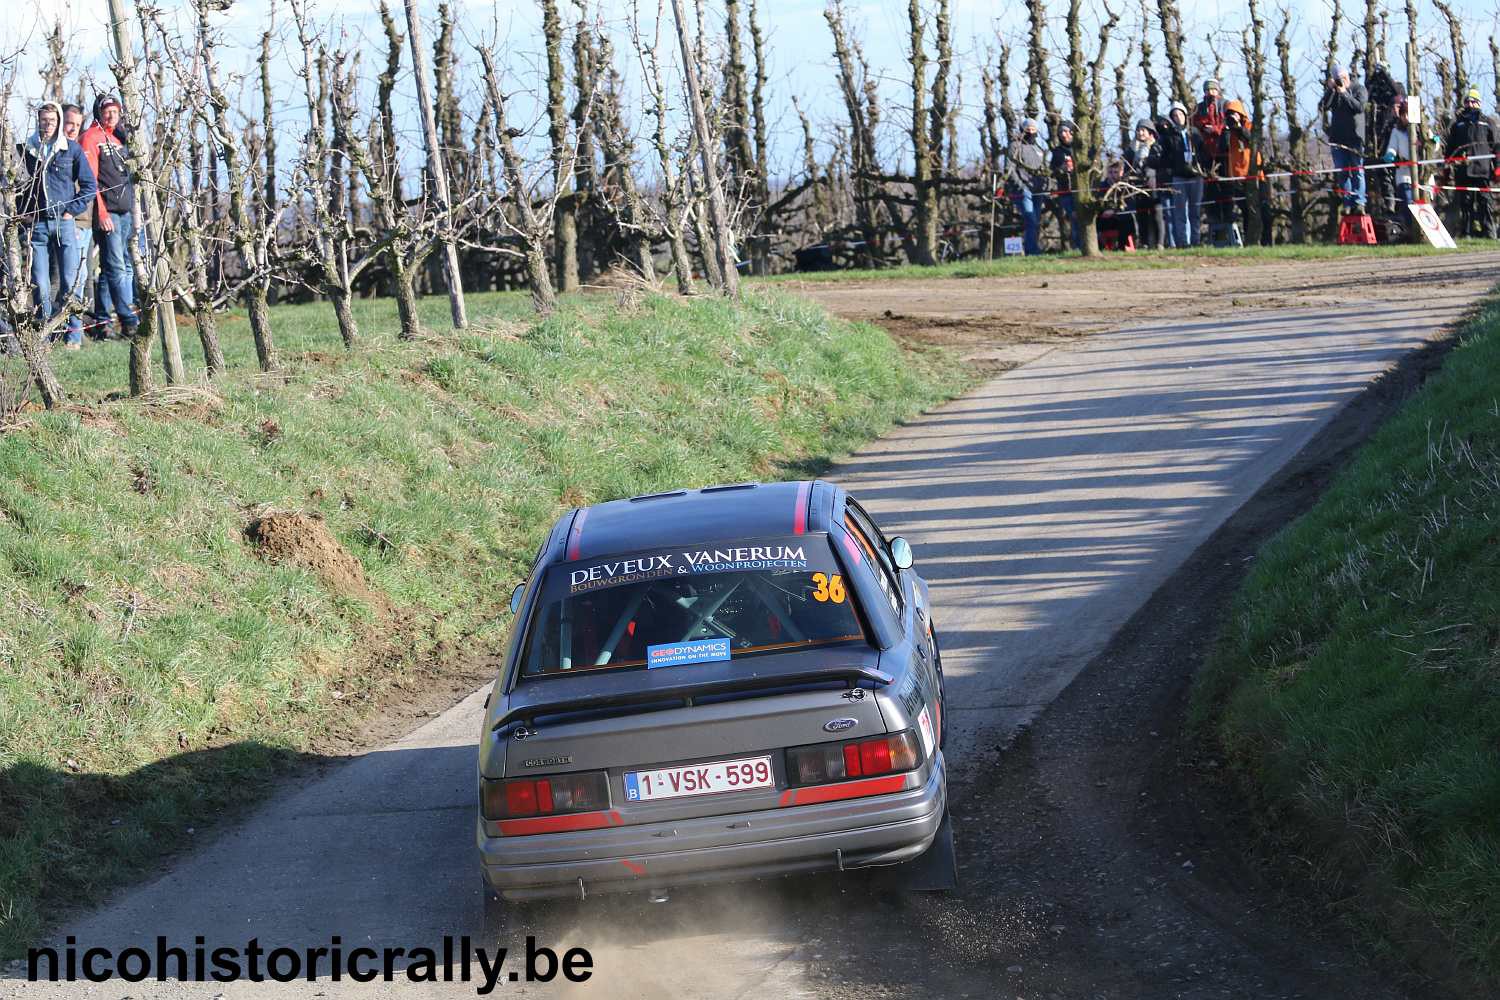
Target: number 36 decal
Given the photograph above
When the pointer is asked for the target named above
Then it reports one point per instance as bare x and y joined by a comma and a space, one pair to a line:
829, 588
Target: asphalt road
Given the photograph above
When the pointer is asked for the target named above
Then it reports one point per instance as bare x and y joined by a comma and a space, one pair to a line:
1045, 508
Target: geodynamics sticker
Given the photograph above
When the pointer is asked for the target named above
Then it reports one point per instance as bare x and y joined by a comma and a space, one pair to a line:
671, 654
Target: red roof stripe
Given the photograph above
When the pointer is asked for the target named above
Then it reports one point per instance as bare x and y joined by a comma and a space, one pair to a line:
799, 514
575, 533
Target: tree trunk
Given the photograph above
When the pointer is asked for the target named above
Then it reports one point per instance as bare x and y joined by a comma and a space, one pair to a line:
39, 365
1086, 87
257, 306
153, 295
406, 301
435, 168
760, 247
565, 216
1255, 70
348, 328
1153, 90
140, 358
718, 214
1296, 137
1038, 76
922, 251
1170, 19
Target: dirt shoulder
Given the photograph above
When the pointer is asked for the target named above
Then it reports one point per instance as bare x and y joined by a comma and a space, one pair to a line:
1000, 323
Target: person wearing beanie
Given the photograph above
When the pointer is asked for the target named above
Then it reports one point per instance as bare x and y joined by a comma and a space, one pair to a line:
1180, 161
1064, 180
105, 144
1473, 136
60, 187
1142, 157
1026, 182
1343, 108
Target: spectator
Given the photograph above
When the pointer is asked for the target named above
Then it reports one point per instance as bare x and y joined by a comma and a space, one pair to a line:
1062, 181
61, 186
1343, 105
1026, 181
1141, 159
1473, 138
1242, 164
73, 130
1208, 124
1398, 150
1117, 220
114, 224
1382, 92
1179, 160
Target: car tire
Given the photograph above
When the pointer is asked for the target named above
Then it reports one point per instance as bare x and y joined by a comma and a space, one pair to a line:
935, 869
496, 916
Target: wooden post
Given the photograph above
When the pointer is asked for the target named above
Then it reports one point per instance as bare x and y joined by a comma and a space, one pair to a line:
1413, 81
435, 168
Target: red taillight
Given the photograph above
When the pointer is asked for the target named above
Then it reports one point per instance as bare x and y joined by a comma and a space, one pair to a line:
825, 762
518, 798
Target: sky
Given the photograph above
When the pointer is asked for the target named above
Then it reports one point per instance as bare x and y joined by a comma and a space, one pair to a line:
799, 43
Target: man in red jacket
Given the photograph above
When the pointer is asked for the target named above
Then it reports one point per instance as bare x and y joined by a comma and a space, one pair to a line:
114, 220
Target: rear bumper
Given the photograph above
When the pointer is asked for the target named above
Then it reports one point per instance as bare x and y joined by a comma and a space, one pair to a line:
879, 830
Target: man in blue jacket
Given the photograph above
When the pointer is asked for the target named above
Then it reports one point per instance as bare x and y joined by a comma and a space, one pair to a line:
61, 186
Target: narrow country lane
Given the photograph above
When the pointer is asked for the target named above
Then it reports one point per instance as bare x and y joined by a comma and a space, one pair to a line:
1046, 508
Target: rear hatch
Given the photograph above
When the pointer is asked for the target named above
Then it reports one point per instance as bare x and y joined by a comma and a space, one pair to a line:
719, 754
686, 675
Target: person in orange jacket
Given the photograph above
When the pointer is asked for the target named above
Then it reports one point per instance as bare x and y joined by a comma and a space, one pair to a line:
104, 143
1242, 161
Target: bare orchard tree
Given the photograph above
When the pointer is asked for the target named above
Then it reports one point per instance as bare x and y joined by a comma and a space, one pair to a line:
627, 207
151, 153
27, 333
1086, 87
673, 203
253, 232
718, 211
565, 219
435, 169
531, 226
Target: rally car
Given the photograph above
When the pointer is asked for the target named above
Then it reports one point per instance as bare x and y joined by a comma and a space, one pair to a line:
728, 683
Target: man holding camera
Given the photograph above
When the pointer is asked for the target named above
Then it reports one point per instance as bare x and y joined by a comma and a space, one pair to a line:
1343, 108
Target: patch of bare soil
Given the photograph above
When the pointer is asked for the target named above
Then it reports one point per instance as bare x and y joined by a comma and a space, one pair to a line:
1005, 321
297, 539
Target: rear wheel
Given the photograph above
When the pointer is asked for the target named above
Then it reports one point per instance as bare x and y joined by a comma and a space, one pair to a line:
935, 869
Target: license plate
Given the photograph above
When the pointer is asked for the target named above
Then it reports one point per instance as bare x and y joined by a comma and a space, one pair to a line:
699, 779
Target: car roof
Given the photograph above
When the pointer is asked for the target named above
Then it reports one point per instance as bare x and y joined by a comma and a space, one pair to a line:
690, 517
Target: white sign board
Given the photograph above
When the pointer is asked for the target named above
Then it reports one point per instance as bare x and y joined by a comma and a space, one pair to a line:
1432, 227
1014, 245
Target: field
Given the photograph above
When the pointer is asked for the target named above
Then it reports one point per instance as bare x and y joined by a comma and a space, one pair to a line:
1356, 688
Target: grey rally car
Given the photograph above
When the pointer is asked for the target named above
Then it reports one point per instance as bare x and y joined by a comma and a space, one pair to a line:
728, 683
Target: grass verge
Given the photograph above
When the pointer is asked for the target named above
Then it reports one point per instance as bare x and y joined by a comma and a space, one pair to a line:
154, 668
1356, 688
1146, 260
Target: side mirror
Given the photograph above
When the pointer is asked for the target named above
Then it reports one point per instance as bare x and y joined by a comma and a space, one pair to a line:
901, 552
515, 597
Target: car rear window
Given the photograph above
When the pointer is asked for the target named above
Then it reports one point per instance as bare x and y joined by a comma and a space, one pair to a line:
674, 607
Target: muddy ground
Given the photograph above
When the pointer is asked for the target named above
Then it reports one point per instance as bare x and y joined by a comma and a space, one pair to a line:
1000, 323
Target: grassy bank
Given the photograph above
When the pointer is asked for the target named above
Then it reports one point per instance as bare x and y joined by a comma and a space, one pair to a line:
1356, 689
1068, 263
155, 666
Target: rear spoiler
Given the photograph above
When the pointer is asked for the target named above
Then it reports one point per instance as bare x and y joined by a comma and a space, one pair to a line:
619, 688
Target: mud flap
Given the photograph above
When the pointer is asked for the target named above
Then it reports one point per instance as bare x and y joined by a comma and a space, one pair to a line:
935, 870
